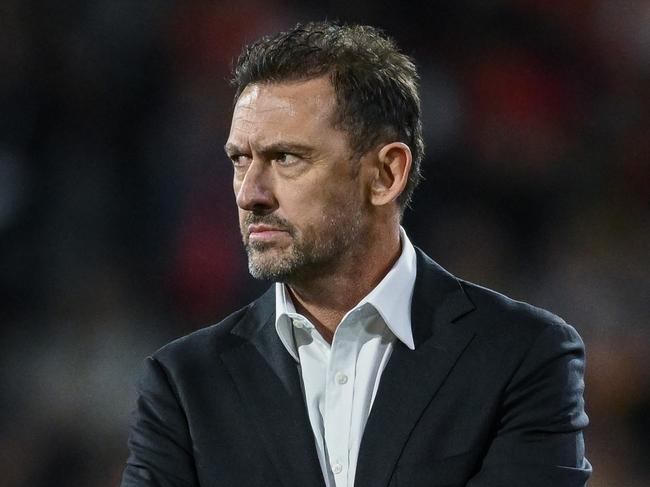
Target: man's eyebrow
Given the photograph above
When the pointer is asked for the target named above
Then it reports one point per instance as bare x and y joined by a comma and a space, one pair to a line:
231, 148
286, 147
273, 148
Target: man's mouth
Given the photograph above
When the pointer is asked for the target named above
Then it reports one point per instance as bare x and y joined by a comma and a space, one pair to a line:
264, 233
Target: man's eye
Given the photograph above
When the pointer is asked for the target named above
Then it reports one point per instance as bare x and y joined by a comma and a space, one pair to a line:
285, 159
239, 160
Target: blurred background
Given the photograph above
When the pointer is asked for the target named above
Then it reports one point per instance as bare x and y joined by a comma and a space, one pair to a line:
118, 227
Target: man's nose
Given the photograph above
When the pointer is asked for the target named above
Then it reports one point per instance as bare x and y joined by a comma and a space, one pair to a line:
255, 191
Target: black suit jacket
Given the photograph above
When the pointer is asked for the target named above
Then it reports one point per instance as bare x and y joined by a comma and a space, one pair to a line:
491, 396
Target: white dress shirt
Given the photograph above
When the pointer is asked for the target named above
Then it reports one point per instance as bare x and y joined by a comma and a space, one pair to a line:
340, 380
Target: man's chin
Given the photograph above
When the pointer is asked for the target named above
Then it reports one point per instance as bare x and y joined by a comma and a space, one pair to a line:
269, 272
269, 264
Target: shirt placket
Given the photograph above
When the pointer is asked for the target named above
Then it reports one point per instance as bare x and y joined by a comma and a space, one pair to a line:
314, 360
339, 395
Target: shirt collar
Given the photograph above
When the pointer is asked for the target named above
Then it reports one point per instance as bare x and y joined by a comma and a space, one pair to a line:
391, 298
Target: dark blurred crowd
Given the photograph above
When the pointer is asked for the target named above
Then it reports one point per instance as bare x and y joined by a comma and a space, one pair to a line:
118, 227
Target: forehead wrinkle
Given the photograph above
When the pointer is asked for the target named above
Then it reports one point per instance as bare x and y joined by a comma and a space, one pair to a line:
243, 125
277, 141
287, 107
280, 105
251, 129
249, 119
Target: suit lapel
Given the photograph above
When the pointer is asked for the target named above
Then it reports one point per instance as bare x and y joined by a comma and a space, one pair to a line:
268, 381
412, 378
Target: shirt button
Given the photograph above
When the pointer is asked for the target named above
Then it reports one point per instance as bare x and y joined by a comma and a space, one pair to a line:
337, 468
341, 378
297, 323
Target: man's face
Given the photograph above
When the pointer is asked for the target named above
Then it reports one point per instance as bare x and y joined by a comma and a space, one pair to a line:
298, 191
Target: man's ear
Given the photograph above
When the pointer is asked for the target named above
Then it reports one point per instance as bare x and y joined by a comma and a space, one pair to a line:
392, 172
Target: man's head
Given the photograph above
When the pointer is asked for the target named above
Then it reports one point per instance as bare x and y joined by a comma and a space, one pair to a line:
376, 86
326, 144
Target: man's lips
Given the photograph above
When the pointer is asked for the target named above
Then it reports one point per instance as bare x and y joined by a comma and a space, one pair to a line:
264, 232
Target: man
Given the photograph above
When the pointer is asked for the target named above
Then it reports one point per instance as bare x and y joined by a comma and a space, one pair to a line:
366, 363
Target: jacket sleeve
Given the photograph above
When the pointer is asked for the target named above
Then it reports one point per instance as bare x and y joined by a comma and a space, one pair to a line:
538, 440
159, 443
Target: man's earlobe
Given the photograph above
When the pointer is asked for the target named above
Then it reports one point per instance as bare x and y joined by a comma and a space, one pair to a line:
393, 167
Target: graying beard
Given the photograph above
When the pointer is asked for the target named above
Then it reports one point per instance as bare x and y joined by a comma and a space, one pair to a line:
280, 272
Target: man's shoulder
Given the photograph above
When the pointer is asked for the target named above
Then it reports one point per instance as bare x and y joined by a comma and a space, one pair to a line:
501, 305
499, 316
491, 312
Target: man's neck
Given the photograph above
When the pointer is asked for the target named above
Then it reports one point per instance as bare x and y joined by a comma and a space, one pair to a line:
324, 298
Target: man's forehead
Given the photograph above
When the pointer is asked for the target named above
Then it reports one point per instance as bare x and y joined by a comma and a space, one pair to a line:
255, 95
266, 113
316, 94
